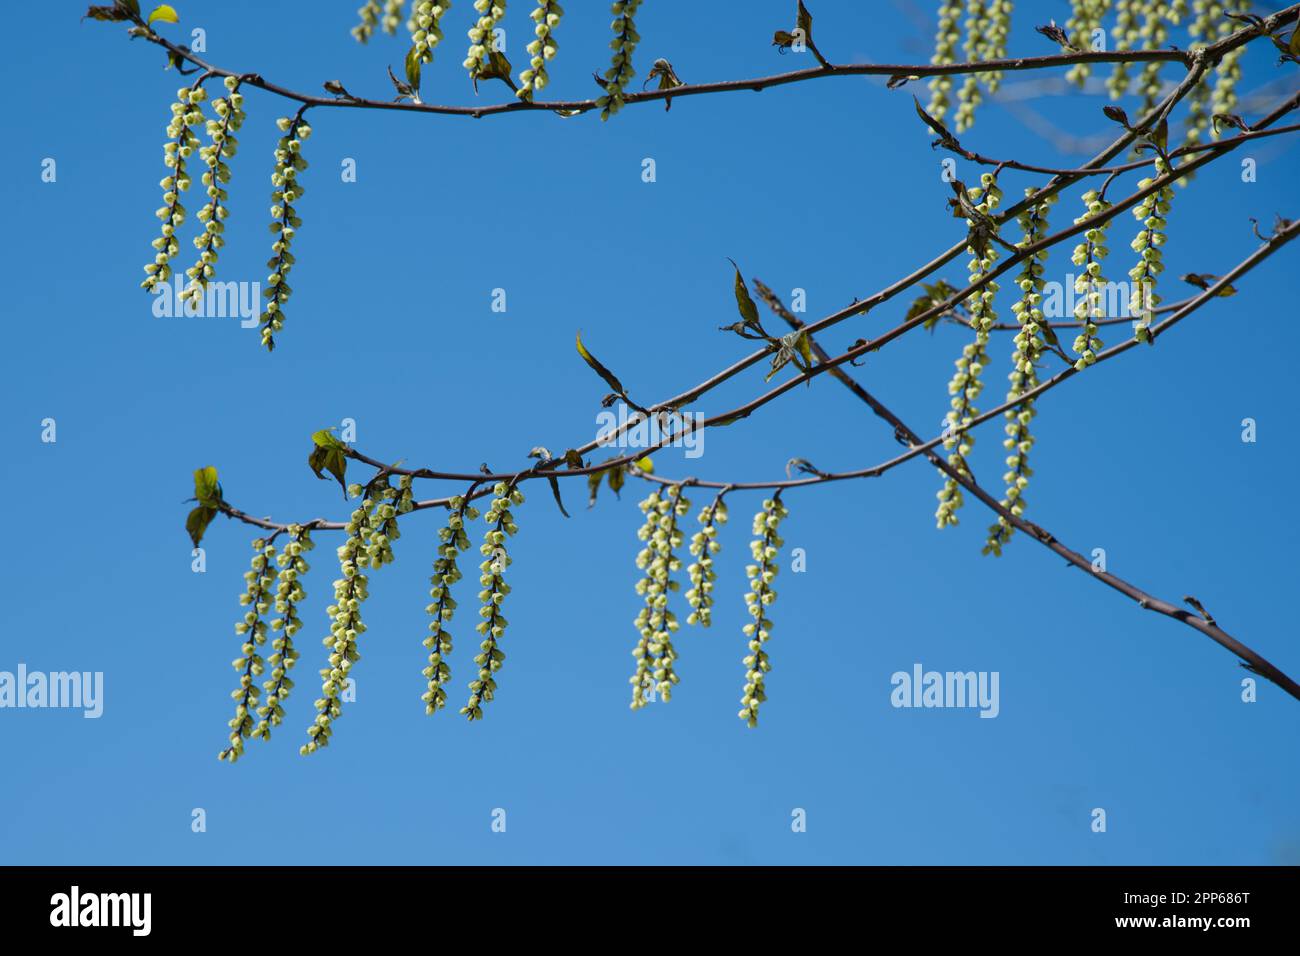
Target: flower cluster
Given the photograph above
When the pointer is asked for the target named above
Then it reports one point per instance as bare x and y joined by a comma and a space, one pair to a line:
452, 541
350, 592
547, 17
623, 44
501, 525
392, 15
995, 42
1226, 76
1086, 17
425, 30
221, 131
1154, 33
369, 14
764, 549
966, 385
1126, 33
704, 545
252, 628
1207, 26
1150, 212
945, 52
979, 26
288, 190
1090, 283
289, 594
181, 142
381, 520
1029, 343
481, 35
654, 651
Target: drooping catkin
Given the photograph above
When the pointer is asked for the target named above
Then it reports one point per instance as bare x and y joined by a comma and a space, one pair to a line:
288, 190
221, 131
1029, 345
966, 383
501, 527
655, 623
452, 540
181, 143
704, 545
764, 549
289, 594
257, 598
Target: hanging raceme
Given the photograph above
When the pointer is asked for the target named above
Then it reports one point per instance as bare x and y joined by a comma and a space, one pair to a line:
501, 526
1151, 213
623, 44
1154, 33
1228, 73
656, 624
764, 549
289, 593
1029, 344
966, 384
995, 48
426, 29
1126, 33
547, 17
288, 190
1090, 284
978, 26
1085, 19
478, 59
252, 629
181, 142
350, 591
369, 14
945, 52
1207, 25
452, 540
221, 132
704, 545
392, 15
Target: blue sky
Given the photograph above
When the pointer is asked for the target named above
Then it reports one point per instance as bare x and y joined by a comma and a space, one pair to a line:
827, 186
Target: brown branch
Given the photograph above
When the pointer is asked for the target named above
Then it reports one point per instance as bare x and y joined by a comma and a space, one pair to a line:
570, 107
1250, 659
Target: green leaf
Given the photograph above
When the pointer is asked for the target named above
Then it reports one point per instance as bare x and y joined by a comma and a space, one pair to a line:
116, 12
413, 63
729, 420
804, 22
325, 439
616, 478
164, 13
197, 522
946, 138
748, 310
555, 490
206, 487
645, 464
610, 378
333, 460
329, 454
